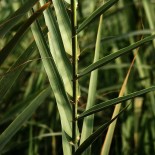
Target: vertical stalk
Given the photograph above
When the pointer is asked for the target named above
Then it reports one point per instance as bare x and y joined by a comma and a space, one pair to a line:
75, 68
88, 122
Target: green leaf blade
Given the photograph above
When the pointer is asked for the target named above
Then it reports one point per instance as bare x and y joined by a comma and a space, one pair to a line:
54, 79
96, 14
10, 46
88, 123
57, 50
8, 80
114, 101
23, 117
96, 134
14, 19
109, 58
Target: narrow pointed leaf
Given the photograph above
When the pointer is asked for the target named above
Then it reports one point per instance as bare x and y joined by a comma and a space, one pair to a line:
113, 56
96, 14
110, 133
64, 25
9, 47
13, 111
95, 135
14, 19
88, 123
12, 75
22, 118
57, 50
54, 79
114, 101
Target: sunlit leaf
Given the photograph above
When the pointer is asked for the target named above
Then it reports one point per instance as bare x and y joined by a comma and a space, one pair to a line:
57, 50
54, 79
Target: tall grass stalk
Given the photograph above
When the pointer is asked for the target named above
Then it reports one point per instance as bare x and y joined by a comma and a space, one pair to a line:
75, 71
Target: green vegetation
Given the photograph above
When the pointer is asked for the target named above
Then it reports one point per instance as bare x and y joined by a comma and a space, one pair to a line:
77, 77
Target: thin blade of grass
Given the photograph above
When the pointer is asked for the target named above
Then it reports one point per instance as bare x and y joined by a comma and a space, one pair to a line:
12, 75
96, 14
11, 21
64, 24
112, 39
88, 122
54, 79
13, 111
9, 47
113, 56
95, 135
57, 49
23, 117
114, 101
108, 139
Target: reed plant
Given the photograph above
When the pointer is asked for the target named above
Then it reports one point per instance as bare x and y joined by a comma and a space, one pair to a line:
76, 77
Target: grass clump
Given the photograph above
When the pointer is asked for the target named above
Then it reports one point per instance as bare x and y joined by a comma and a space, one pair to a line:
76, 77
